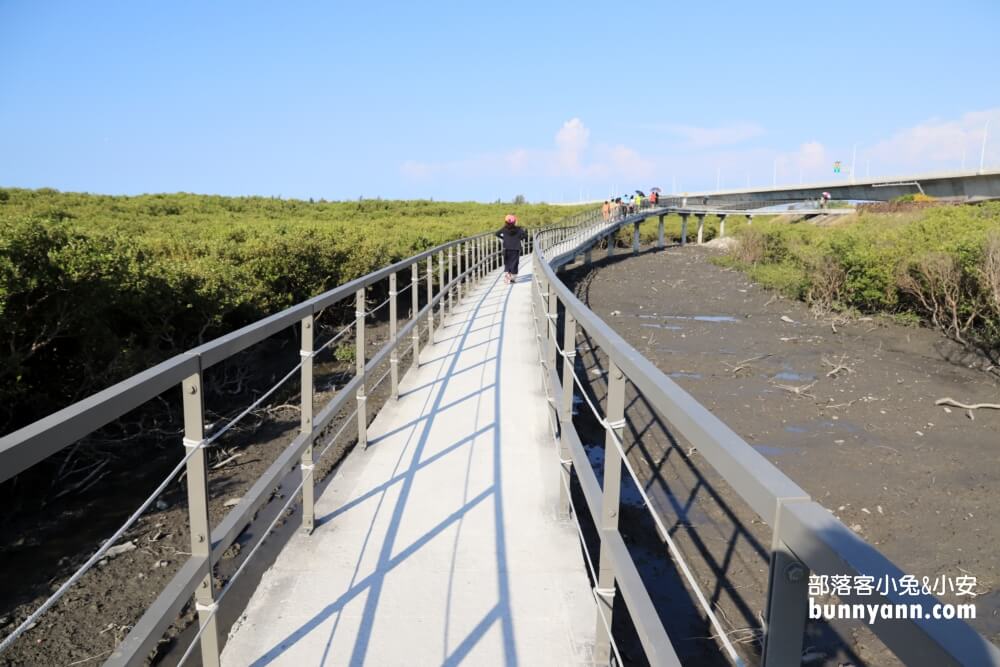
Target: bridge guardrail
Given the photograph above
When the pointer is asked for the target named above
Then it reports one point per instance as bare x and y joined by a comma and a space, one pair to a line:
454, 265
805, 536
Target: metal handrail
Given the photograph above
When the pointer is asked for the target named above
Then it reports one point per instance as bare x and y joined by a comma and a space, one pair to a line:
27, 446
806, 537
467, 259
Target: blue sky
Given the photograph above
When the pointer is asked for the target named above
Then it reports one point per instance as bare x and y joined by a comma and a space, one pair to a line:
479, 101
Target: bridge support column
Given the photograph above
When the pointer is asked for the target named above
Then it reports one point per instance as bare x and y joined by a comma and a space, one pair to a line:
684, 228
615, 417
566, 416
749, 218
659, 234
611, 245
635, 238
201, 541
588, 256
787, 604
306, 424
701, 228
722, 226
394, 338
359, 368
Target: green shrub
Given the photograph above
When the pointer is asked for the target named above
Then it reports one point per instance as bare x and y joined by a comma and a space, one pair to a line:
94, 288
345, 352
939, 265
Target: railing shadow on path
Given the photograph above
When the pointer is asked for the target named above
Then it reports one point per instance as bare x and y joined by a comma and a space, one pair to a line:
434, 409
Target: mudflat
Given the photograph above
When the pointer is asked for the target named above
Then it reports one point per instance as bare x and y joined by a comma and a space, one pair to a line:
845, 408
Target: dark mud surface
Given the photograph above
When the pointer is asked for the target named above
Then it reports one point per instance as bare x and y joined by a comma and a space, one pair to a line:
45, 541
865, 440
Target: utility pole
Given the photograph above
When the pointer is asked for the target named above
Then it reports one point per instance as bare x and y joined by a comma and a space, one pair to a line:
982, 152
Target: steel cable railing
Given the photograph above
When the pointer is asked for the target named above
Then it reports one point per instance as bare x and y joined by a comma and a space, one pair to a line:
477, 256
805, 536
610, 430
293, 496
108, 544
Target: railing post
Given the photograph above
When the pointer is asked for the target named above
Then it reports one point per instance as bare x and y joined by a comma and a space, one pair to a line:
306, 424
414, 313
451, 277
565, 460
467, 265
615, 418
787, 603
659, 237
359, 356
459, 251
551, 326
197, 487
430, 298
441, 283
393, 330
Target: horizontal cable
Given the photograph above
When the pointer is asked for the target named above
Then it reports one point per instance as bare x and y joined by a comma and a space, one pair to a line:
381, 305
335, 338
45, 606
218, 434
610, 429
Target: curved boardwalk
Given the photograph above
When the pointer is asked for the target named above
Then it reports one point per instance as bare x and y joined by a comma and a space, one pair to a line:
439, 544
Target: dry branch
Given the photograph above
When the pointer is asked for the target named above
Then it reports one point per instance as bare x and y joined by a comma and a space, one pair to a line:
974, 406
802, 390
837, 366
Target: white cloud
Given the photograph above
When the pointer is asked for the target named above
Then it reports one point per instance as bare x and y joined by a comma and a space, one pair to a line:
571, 142
695, 137
937, 143
570, 159
811, 155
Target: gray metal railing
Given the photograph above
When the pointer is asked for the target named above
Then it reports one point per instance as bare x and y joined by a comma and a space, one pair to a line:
805, 536
464, 261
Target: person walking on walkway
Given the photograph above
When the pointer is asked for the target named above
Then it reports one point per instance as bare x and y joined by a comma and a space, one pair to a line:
511, 235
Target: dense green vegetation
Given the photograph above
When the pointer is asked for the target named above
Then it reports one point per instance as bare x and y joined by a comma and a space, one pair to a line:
94, 288
938, 265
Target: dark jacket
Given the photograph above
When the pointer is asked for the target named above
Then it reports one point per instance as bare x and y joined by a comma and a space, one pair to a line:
512, 236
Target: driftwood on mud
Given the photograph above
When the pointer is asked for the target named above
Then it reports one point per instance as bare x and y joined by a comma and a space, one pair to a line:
974, 406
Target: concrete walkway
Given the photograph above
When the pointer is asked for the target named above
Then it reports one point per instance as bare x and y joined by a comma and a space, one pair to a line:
439, 545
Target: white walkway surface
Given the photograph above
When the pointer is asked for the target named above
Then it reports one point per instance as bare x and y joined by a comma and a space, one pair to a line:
439, 545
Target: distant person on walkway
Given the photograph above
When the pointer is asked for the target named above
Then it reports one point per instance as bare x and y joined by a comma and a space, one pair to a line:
638, 202
606, 210
511, 235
